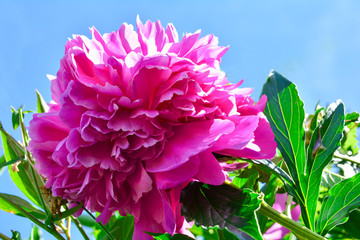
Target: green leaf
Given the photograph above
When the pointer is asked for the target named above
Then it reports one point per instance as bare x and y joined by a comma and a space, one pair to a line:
87, 221
51, 219
351, 117
349, 143
351, 227
41, 106
22, 203
270, 190
35, 233
314, 120
270, 167
212, 233
222, 205
166, 236
343, 198
13, 150
15, 235
286, 114
324, 141
2, 161
119, 226
329, 179
15, 117
246, 178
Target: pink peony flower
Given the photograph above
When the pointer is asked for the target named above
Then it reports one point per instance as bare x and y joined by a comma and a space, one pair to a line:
276, 231
136, 116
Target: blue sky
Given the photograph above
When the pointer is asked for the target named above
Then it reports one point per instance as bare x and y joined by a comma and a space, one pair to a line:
315, 44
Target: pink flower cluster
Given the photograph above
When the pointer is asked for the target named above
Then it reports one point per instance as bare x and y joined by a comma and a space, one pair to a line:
136, 116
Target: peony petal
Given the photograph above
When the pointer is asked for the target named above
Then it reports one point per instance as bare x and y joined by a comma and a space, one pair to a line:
209, 164
181, 147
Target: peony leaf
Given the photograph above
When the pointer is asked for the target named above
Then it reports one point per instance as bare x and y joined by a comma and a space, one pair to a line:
343, 198
22, 203
224, 206
286, 114
51, 219
87, 221
21, 175
41, 106
35, 233
166, 236
119, 226
324, 141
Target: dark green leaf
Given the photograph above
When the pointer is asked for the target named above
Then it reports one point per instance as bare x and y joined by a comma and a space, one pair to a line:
2, 161
35, 233
324, 141
15, 117
41, 104
22, 203
166, 236
286, 114
222, 205
351, 227
343, 198
15, 235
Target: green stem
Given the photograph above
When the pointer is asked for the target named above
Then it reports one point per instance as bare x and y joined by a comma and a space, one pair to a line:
347, 158
31, 217
101, 225
295, 227
4, 237
81, 230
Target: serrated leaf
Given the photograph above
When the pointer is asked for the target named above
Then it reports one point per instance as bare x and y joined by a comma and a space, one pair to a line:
41, 106
35, 233
166, 236
13, 150
286, 114
324, 142
22, 203
222, 205
343, 198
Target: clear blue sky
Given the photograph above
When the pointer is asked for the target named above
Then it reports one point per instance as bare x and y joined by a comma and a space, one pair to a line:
316, 44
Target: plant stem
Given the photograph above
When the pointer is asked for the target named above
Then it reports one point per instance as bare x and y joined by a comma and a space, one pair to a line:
4, 237
101, 225
81, 230
347, 158
290, 224
31, 217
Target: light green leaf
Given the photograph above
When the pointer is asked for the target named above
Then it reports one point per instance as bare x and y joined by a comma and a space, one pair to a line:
212, 233
324, 141
41, 106
13, 150
22, 203
343, 198
286, 114
35, 233
120, 226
